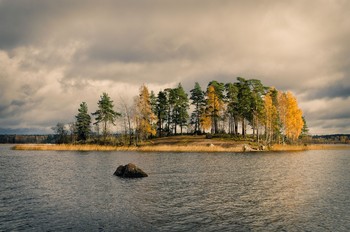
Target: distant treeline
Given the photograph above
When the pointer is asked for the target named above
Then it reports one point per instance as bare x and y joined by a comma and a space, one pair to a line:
27, 139
334, 138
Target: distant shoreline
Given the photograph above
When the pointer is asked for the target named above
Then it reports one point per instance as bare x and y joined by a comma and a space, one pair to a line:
176, 148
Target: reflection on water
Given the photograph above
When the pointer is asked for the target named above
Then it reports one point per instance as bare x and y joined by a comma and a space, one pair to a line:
304, 191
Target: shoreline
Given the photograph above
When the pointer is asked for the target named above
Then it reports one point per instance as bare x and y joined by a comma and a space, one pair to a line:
176, 148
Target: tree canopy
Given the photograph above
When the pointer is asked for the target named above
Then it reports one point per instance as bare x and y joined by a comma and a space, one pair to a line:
105, 113
235, 108
83, 122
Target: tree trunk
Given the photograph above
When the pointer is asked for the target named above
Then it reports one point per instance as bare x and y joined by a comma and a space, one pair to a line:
243, 128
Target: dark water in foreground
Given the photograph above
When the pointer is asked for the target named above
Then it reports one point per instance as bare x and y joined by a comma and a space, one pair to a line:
304, 191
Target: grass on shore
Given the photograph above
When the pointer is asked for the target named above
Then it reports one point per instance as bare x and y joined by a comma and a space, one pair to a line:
146, 148
169, 148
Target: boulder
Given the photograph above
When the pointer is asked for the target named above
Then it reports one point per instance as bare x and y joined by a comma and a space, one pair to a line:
129, 171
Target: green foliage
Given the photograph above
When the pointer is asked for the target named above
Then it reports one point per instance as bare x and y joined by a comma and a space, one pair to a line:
161, 110
105, 113
153, 102
198, 100
83, 122
181, 105
305, 129
221, 108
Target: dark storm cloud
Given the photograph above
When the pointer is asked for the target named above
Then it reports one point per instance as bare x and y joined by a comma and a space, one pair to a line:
339, 89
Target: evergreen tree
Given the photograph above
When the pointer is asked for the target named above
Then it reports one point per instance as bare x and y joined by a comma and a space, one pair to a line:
232, 107
172, 95
244, 99
198, 100
305, 129
153, 101
181, 105
258, 90
161, 111
105, 113
83, 122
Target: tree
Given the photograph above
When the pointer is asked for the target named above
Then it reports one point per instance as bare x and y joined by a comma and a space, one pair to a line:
144, 115
161, 110
271, 116
171, 96
153, 101
105, 113
72, 131
305, 129
83, 122
198, 100
244, 99
181, 105
127, 114
232, 107
215, 103
256, 104
60, 133
290, 115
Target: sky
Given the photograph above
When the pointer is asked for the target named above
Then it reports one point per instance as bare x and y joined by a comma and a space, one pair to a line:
56, 54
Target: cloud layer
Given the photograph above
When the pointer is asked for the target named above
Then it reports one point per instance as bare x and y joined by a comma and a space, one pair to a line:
56, 54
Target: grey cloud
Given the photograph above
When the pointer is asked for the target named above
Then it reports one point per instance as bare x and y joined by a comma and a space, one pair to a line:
299, 46
335, 89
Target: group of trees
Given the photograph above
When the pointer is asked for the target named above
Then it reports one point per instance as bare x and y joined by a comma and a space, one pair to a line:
223, 108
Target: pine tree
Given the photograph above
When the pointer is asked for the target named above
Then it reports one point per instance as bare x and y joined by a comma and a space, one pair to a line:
105, 113
256, 105
305, 129
153, 101
180, 115
232, 107
83, 122
244, 99
198, 100
161, 111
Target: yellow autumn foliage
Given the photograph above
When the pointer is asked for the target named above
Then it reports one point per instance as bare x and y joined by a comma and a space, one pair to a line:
145, 118
290, 115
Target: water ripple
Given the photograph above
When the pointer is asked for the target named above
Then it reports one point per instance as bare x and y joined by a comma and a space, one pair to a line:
49, 191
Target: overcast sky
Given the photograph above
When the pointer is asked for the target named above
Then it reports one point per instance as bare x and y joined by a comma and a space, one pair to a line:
56, 54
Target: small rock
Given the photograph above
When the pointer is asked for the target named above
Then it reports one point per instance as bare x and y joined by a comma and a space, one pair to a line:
129, 171
211, 145
246, 148
208, 136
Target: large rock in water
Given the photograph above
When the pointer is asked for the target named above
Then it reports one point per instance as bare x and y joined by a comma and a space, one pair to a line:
129, 171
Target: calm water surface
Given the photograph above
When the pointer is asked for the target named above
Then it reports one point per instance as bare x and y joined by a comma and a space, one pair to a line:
55, 191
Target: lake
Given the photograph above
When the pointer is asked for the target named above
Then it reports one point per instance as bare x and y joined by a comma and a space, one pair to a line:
290, 191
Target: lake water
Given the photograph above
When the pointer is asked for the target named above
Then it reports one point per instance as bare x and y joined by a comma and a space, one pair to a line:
294, 191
